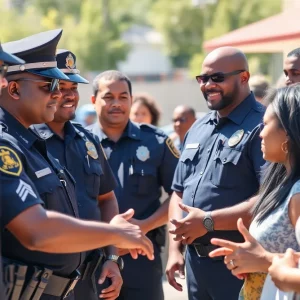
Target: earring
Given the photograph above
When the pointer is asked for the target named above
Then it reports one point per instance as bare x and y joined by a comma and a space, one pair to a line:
284, 148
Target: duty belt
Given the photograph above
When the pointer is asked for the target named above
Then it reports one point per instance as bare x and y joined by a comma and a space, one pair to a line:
31, 282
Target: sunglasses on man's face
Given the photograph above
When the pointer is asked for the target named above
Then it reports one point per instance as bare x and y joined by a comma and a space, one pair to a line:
52, 85
216, 77
3, 70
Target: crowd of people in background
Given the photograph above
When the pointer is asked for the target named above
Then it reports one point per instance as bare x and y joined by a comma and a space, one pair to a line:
231, 180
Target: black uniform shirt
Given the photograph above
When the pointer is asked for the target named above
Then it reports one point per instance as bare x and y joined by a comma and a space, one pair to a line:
29, 177
81, 153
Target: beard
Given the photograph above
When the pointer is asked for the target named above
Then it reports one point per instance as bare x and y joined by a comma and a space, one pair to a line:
226, 99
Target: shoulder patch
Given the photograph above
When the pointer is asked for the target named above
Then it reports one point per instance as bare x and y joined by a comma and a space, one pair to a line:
172, 148
10, 163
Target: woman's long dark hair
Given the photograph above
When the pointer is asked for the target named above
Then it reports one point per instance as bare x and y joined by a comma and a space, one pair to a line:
277, 183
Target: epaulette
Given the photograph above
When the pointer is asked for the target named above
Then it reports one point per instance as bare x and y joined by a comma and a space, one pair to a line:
77, 124
152, 128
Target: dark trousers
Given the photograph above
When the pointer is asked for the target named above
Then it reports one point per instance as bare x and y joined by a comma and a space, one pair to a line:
209, 279
151, 293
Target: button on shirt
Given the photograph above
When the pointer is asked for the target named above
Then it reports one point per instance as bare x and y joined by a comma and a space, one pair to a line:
93, 176
221, 162
29, 177
142, 162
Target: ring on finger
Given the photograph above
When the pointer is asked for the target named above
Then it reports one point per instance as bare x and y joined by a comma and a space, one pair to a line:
232, 263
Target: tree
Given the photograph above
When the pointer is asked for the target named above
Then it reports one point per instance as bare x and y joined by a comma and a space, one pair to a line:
181, 25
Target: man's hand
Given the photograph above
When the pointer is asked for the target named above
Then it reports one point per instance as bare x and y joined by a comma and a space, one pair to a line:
281, 267
175, 264
143, 224
131, 236
240, 258
111, 270
189, 228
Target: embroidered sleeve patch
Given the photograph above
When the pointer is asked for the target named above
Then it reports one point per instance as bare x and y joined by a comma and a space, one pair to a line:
10, 162
172, 148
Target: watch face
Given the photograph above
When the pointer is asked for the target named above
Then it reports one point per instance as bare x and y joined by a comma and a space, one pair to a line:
121, 263
208, 224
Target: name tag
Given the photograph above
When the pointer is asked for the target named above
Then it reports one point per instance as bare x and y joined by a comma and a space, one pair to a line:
192, 146
43, 172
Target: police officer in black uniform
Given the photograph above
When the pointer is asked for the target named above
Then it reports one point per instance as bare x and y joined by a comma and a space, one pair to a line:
32, 178
69, 143
220, 167
143, 160
5, 59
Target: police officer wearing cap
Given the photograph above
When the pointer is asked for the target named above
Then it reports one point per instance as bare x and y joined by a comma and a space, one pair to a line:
5, 59
69, 142
219, 168
33, 178
143, 160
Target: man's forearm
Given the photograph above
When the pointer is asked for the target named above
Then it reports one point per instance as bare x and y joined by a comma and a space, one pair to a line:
108, 206
226, 218
174, 213
53, 232
159, 217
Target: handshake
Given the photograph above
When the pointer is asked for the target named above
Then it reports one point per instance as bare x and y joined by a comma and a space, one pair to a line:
130, 236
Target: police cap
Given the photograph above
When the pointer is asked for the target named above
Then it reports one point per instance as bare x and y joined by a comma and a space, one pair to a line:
66, 62
9, 58
38, 51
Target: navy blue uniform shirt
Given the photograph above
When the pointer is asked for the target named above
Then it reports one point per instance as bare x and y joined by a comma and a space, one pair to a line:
29, 177
93, 176
143, 161
221, 161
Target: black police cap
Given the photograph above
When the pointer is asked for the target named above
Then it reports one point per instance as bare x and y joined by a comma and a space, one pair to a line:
38, 51
8, 58
66, 62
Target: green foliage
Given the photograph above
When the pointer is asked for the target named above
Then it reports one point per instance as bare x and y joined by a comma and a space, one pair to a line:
227, 15
181, 25
88, 29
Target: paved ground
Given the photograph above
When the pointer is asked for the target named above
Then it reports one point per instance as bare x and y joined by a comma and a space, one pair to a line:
172, 294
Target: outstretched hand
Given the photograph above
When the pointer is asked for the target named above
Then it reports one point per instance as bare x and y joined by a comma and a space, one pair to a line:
241, 258
131, 236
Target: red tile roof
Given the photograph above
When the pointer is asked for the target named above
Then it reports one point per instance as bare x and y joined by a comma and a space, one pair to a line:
281, 27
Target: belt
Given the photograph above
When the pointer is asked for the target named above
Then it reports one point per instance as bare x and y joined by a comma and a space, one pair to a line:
203, 250
60, 286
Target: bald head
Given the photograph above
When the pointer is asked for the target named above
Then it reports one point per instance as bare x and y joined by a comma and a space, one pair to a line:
184, 109
228, 58
183, 119
224, 79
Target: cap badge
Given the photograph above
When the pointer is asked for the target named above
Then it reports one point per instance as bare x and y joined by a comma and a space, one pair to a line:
70, 61
236, 138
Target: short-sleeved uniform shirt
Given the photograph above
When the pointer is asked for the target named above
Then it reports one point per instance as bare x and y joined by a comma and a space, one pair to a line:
30, 176
81, 153
143, 160
221, 161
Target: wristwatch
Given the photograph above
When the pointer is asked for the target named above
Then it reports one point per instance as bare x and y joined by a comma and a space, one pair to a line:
117, 259
208, 222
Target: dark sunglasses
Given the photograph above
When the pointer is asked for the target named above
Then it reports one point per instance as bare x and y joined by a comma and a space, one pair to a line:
52, 85
3, 70
216, 77
181, 120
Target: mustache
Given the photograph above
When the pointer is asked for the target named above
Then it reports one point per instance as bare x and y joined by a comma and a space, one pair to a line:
116, 111
52, 102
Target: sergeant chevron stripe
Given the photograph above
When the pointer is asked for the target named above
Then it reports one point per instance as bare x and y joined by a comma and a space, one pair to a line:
24, 189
